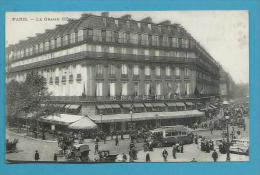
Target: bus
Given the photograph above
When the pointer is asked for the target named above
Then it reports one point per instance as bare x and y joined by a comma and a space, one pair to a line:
170, 135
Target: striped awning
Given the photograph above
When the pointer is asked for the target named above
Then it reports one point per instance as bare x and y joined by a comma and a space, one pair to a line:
73, 106
127, 105
171, 104
189, 103
115, 106
146, 116
138, 105
108, 106
158, 104
180, 104
101, 106
148, 105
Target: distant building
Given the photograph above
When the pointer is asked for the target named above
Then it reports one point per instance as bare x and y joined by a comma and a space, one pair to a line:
106, 65
226, 85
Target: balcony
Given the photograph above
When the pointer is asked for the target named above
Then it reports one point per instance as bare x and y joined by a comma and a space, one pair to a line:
99, 76
130, 98
124, 76
103, 56
136, 77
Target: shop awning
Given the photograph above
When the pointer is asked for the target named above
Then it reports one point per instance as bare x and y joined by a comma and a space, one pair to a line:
189, 103
138, 105
148, 105
115, 106
171, 104
127, 105
59, 105
74, 106
158, 104
107, 106
83, 123
146, 116
61, 119
101, 107
180, 104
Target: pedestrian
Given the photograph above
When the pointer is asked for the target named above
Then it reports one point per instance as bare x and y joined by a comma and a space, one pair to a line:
36, 156
122, 135
124, 157
116, 141
147, 157
181, 147
215, 155
174, 151
96, 148
111, 133
211, 130
165, 155
55, 157
105, 138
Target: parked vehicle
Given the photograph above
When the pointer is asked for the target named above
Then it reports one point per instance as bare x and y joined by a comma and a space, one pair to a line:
170, 135
105, 156
78, 152
240, 146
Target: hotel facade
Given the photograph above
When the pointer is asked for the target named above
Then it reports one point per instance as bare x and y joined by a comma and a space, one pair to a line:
105, 67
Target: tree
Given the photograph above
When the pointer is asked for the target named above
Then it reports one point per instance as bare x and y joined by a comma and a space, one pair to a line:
27, 96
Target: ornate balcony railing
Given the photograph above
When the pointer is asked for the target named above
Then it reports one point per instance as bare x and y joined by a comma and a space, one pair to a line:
130, 98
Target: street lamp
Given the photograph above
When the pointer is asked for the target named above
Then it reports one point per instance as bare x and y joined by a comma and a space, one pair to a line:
228, 143
156, 124
101, 115
131, 113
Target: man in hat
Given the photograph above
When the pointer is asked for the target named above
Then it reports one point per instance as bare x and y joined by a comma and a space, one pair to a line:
215, 155
36, 156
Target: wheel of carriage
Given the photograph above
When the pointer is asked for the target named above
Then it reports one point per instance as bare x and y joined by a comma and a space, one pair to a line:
84, 157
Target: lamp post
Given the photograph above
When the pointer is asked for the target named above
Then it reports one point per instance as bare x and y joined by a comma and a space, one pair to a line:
101, 115
228, 142
156, 124
131, 113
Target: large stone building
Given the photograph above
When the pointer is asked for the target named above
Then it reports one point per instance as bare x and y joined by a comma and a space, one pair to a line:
226, 84
107, 65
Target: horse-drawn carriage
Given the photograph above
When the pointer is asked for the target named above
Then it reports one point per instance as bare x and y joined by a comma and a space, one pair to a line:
78, 152
105, 156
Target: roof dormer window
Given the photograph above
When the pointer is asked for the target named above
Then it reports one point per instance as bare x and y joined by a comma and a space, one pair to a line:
159, 28
104, 21
116, 22
128, 24
150, 26
139, 24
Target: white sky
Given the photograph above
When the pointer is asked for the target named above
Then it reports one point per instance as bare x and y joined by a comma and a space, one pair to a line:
224, 34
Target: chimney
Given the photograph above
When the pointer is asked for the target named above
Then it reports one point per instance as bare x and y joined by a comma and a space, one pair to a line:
127, 17
47, 30
167, 22
105, 14
148, 20
85, 15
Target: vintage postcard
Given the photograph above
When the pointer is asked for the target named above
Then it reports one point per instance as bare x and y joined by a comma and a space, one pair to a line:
127, 86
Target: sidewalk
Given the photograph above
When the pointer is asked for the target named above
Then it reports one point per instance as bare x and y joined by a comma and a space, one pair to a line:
29, 137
